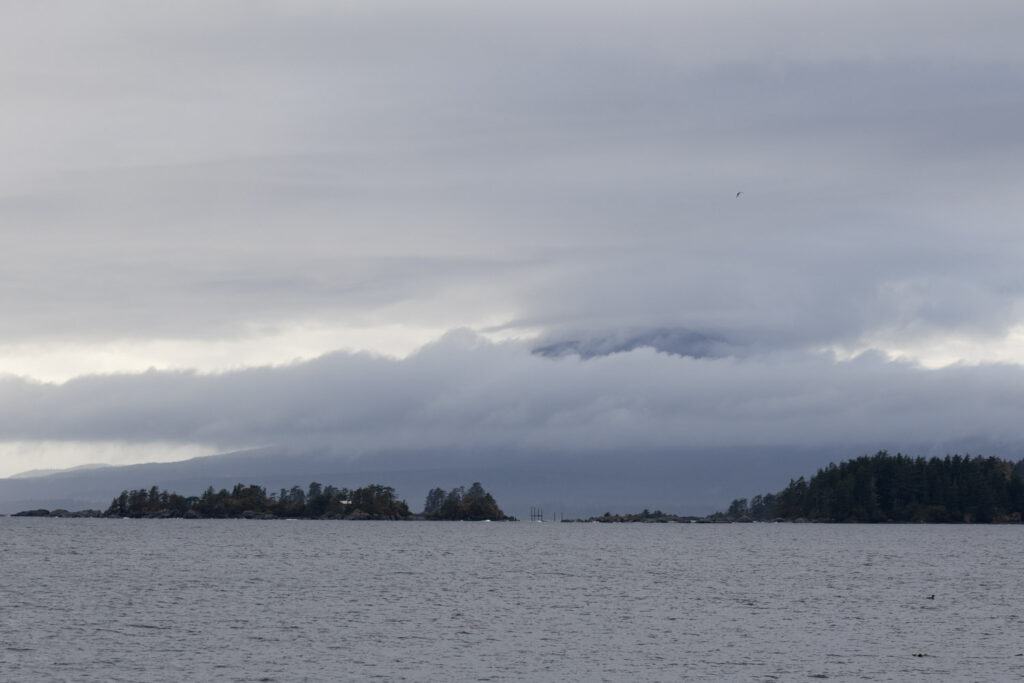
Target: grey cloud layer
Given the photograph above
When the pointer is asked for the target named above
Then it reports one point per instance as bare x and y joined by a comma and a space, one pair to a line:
465, 393
217, 170
201, 170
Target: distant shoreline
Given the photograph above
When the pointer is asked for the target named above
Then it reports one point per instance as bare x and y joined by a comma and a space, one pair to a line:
96, 514
638, 518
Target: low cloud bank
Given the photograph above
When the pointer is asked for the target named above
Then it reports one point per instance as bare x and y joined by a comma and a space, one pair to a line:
465, 392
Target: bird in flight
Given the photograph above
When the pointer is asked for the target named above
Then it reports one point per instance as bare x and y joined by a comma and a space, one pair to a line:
738, 194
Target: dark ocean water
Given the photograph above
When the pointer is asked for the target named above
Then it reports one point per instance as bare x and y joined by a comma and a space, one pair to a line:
166, 600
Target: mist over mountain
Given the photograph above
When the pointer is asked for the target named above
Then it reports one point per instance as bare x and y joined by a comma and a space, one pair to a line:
675, 341
573, 484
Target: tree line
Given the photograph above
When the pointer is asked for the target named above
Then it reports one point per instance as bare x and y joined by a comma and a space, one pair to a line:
897, 488
316, 502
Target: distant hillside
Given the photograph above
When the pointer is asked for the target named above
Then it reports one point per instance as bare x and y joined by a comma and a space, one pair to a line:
32, 474
897, 488
568, 484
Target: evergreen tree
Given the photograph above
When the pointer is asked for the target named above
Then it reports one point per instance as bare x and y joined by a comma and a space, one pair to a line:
898, 488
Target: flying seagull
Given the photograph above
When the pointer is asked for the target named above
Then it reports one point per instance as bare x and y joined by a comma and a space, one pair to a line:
738, 194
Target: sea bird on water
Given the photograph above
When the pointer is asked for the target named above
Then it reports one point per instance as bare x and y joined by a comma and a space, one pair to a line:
738, 194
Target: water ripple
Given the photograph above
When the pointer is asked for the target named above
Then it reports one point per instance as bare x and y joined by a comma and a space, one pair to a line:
234, 600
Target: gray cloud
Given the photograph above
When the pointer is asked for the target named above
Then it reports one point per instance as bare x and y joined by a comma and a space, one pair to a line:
203, 173
464, 393
183, 173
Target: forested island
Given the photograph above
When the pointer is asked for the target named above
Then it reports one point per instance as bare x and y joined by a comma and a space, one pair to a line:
873, 489
895, 488
876, 489
472, 505
317, 502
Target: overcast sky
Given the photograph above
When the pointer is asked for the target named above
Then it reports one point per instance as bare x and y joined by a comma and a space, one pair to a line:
392, 224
